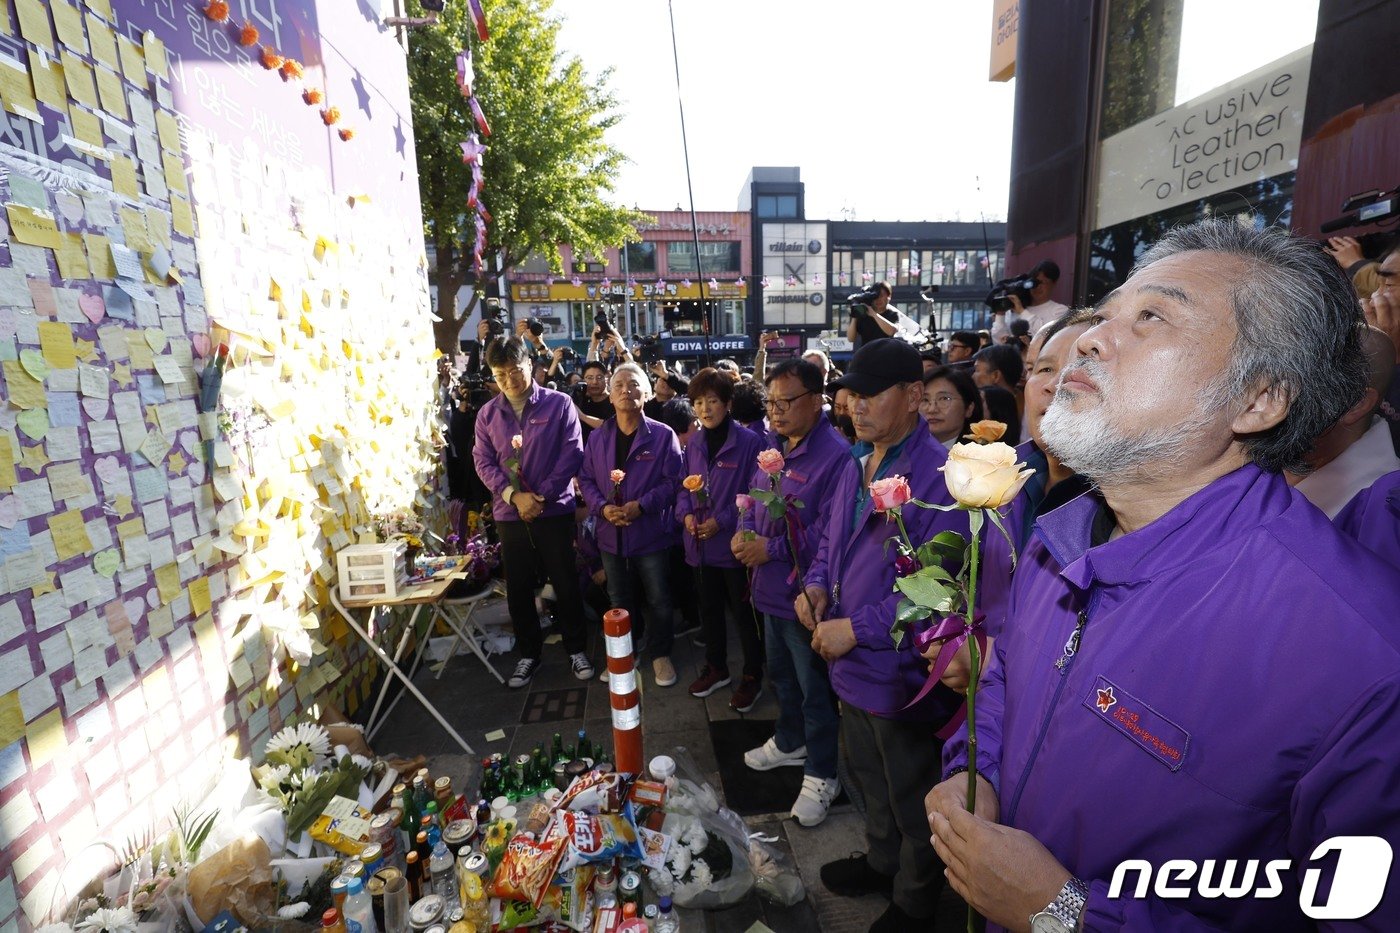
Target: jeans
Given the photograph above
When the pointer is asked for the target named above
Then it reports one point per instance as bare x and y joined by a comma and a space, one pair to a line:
653, 572
546, 544
806, 705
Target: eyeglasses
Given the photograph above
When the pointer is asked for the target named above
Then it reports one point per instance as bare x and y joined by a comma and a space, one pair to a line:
780, 406
942, 400
504, 376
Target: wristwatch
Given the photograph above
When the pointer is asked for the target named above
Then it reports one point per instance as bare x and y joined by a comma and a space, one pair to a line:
1062, 915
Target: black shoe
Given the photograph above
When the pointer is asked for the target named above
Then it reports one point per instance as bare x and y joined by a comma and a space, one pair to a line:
895, 920
853, 877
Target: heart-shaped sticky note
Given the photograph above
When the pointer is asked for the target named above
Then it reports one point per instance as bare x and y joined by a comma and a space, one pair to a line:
93, 307
156, 339
107, 468
135, 609
9, 511
34, 422
34, 363
96, 408
70, 206
201, 345
106, 562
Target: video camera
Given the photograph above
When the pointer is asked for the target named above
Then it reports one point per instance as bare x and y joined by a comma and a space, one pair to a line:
1368, 207
535, 327
496, 318
647, 350
999, 298
861, 301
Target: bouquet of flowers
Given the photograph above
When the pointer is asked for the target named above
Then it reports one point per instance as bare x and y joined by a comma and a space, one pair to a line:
301, 776
696, 859
400, 523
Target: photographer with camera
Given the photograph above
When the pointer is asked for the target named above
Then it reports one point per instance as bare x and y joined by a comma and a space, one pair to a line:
593, 403
872, 315
531, 332
1025, 298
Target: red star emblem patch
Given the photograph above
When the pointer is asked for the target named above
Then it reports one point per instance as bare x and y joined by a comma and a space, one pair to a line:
1106, 699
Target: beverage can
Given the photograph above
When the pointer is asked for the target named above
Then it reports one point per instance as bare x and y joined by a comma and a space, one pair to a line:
372, 857
458, 835
477, 864
427, 911
629, 889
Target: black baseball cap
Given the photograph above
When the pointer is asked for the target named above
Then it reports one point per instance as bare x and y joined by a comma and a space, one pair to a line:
881, 364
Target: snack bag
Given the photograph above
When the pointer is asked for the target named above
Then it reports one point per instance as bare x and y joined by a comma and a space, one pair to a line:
599, 838
590, 792
570, 900
527, 869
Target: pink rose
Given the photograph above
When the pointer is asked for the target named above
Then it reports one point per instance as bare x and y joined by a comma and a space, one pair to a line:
516, 441
617, 476
743, 502
771, 461
890, 493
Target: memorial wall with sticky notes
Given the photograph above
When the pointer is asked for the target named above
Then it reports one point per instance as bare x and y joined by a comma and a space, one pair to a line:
165, 561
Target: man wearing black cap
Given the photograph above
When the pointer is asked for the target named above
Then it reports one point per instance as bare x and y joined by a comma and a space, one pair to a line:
849, 604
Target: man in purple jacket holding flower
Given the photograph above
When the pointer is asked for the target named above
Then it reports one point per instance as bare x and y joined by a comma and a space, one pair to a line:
1192, 721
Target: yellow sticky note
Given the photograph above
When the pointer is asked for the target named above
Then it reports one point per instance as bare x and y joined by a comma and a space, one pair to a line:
70, 537
181, 216
104, 42
6, 29
158, 225
68, 23
175, 173
133, 62
7, 462
49, 85
199, 595
99, 256
109, 90
128, 529
35, 227
87, 126
72, 258
23, 389
56, 341
16, 89
169, 130
124, 178
34, 24
102, 8
46, 738
134, 226
81, 84
11, 719
155, 55
141, 355
168, 583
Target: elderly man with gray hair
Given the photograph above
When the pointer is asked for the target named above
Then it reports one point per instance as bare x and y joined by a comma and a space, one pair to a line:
1194, 700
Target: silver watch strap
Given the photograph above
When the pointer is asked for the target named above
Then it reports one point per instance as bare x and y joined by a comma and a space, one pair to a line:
1068, 905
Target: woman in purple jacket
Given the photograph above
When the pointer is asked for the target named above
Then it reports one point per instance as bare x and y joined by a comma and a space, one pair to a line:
718, 464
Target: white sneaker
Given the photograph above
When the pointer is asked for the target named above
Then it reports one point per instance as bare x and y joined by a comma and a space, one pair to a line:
814, 799
767, 757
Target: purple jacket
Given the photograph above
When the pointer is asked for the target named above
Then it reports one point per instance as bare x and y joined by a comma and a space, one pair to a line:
1233, 695
550, 453
724, 479
812, 469
856, 569
1373, 517
653, 471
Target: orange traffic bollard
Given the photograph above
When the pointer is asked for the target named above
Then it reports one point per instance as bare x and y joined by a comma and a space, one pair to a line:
622, 690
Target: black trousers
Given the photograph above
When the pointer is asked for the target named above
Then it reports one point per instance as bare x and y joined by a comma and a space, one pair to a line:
527, 549
721, 588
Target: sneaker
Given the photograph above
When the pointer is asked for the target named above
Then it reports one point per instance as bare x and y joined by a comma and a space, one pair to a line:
581, 666
709, 681
767, 756
814, 799
664, 671
853, 877
895, 920
746, 694
524, 673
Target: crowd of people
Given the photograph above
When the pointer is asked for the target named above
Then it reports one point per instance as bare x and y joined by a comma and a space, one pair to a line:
1197, 655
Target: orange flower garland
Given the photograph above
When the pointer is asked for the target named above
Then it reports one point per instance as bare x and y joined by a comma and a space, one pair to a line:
346, 134
217, 10
270, 59
291, 68
330, 115
248, 35
312, 96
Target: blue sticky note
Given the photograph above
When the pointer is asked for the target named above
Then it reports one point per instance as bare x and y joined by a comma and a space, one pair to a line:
151, 388
63, 410
118, 303
11, 764
14, 540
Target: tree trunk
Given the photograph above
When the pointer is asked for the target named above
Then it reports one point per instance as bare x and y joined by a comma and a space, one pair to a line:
446, 330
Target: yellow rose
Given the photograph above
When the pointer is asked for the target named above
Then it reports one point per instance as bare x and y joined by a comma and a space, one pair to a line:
984, 476
985, 431
694, 482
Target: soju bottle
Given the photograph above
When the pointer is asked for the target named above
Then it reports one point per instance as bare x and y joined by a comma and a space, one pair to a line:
584, 749
409, 824
556, 750
488, 781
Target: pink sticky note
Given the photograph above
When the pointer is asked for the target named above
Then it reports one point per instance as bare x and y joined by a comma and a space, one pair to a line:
93, 307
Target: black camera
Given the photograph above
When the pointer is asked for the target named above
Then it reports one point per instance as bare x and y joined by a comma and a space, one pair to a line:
1368, 207
605, 322
535, 327
648, 350
495, 317
861, 301
568, 353
999, 298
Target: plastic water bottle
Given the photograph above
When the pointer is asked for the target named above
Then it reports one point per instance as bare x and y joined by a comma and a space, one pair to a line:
667, 921
359, 915
444, 875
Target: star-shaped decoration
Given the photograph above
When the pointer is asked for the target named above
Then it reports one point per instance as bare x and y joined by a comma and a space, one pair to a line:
122, 506
361, 92
49, 587
1106, 700
152, 414
400, 138
178, 462
86, 350
122, 374
34, 459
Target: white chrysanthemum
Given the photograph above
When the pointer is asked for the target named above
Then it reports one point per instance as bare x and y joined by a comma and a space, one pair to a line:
700, 873
363, 762
300, 746
696, 838
274, 777
109, 920
679, 860
293, 911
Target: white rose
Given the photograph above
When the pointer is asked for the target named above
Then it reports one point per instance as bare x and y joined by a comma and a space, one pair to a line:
984, 476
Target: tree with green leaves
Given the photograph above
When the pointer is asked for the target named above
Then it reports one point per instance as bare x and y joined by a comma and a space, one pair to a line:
547, 167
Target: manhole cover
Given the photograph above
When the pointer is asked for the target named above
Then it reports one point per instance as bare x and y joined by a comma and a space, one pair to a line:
554, 706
